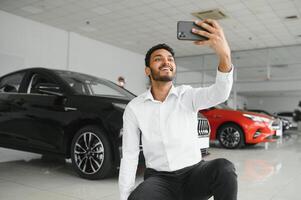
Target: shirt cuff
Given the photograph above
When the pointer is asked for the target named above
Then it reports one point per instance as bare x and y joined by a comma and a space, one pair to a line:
225, 76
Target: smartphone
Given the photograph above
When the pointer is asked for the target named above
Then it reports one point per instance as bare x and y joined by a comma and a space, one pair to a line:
184, 31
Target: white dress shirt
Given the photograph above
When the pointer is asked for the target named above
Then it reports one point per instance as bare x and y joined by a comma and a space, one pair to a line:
169, 129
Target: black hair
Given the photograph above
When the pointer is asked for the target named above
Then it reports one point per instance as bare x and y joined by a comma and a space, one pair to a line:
154, 48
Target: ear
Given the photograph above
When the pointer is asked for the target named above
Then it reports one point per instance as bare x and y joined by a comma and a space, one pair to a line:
147, 71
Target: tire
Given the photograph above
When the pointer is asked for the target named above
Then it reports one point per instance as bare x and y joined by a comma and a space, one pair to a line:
250, 144
231, 136
91, 153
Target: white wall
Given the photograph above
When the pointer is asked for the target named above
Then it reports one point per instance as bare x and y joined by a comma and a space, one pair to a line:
103, 60
25, 43
203, 80
273, 104
241, 102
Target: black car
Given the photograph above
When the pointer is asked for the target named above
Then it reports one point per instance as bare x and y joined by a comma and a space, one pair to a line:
289, 116
66, 113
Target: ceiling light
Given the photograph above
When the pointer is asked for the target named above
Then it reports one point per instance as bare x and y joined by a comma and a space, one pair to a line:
291, 17
210, 14
279, 65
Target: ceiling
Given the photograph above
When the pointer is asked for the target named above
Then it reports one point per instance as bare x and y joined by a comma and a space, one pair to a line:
137, 25
255, 29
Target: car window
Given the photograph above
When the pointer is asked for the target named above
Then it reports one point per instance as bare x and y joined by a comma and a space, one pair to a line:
101, 89
88, 85
35, 80
285, 114
11, 83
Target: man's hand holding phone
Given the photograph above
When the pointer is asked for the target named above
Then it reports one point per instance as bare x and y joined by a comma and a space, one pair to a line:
215, 34
211, 33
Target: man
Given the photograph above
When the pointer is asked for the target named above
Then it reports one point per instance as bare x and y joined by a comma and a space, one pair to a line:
167, 118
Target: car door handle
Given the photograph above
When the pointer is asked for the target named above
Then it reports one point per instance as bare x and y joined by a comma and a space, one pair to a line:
70, 109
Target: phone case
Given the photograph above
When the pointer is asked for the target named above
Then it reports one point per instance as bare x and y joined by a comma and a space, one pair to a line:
184, 31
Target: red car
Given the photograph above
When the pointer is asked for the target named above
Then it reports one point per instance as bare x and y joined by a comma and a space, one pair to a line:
234, 128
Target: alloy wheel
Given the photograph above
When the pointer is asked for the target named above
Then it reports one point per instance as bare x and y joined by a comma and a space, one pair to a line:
89, 153
230, 137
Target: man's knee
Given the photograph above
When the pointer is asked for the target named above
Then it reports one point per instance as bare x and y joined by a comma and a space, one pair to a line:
138, 193
224, 166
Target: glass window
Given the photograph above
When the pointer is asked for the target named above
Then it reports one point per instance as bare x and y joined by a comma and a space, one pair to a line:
89, 85
101, 89
11, 83
35, 80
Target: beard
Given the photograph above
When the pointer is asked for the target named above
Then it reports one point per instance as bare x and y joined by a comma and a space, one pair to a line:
164, 78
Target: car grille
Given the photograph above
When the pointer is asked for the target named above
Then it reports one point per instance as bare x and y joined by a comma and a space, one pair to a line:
276, 124
203, 127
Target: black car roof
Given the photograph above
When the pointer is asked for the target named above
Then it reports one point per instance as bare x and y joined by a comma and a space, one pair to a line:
43, 69
28, 69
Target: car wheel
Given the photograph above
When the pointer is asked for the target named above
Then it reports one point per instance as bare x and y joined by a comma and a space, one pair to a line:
251, 144
91, 153
231, 136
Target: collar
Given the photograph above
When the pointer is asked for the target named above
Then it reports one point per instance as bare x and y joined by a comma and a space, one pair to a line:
149, 95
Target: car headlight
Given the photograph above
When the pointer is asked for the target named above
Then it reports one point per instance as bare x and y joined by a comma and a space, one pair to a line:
257, 118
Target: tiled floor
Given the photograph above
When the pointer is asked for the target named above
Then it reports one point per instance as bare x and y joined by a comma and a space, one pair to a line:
268, 171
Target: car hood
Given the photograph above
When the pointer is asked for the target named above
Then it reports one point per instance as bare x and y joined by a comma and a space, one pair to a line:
242, 112
257, 114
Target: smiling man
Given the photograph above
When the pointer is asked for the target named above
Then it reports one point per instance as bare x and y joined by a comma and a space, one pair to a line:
166, 116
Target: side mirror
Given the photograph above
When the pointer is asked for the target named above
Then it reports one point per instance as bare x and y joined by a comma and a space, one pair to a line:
49, 88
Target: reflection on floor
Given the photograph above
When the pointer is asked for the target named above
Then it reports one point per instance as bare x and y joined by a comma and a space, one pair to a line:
269, 171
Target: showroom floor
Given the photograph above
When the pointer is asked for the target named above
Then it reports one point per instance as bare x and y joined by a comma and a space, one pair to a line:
268, 171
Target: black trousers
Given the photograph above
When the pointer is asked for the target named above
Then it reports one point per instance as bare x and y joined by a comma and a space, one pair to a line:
198, 182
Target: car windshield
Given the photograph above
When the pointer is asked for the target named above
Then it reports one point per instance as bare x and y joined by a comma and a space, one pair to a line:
91, 85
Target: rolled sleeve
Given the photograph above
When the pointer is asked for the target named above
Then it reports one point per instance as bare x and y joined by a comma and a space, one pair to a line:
225, 76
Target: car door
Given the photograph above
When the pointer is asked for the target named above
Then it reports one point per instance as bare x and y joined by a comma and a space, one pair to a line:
10, 110
44, 115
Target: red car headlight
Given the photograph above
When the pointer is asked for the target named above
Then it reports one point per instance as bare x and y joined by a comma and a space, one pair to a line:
257, 118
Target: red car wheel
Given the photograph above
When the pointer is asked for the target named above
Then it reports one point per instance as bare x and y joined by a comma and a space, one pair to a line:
231, 136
